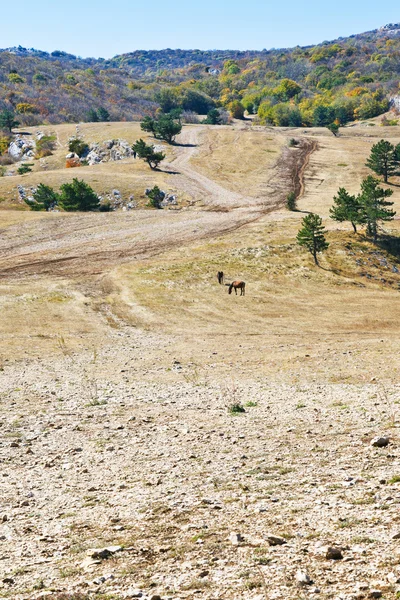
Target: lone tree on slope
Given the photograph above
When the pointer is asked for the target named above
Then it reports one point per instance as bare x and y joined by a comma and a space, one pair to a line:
312, 235
383, 159
148, 154
346, 208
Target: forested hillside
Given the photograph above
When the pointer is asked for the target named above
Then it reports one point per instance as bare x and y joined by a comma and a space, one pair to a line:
346, 79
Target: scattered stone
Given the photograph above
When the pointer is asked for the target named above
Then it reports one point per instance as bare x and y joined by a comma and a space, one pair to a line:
103, 553
275, 540
303, 578
375, 594
380, 442
235, 538
333, 553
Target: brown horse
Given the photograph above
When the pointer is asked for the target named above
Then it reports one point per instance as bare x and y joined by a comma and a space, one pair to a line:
220, 277
237, 285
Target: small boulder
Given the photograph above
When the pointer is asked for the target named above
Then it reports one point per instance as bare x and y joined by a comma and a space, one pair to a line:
275, 540
235, 538
303, 578
333, 553
380, 442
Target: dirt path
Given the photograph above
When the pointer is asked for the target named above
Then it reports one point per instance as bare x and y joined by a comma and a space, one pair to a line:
213, 194
84, 244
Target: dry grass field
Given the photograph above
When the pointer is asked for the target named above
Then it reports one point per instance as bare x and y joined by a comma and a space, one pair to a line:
121, 359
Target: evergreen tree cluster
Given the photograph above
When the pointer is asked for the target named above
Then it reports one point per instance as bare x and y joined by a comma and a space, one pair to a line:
74, 196
368, 208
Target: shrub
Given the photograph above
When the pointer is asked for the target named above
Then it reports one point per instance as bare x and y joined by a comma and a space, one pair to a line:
78, 146
105, 206
293, 143
3, 171
291, 201
45, 146
213, 117
4, 143
71, 163
44, 198
24, 108
156, 196
236, 109
6, 160
236, 409
25, 168
15, 78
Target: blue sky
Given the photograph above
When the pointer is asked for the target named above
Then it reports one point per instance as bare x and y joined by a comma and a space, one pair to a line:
106, 28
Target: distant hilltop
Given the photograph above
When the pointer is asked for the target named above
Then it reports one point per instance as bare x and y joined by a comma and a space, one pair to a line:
390, 29
350, 78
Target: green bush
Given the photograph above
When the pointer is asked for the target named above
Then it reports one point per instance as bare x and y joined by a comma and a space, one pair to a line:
78, 196
78, 146
291, 201
25, 168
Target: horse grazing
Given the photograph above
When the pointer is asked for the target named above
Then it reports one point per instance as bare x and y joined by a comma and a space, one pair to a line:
220, 277
237, 285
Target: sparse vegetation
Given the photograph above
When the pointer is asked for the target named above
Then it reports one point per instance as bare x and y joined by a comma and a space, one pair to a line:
25, 168
236, 408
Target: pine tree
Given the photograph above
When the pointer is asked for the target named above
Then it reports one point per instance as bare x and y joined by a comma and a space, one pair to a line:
44, 198
103, 114
374, 206
148, 153
334, 128
383, 159
148, 125
78, 195
312, 235
92, 116
7, 120
156, 196
346, 208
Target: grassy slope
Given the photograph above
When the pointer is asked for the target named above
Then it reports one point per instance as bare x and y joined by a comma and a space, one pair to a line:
294, 316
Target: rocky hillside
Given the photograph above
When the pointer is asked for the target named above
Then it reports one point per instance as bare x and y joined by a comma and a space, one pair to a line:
354, 75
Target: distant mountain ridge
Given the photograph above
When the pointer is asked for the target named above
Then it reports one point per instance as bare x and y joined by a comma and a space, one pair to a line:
58, 86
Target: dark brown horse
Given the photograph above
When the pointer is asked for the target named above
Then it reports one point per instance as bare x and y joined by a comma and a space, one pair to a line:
220, 277
237, 285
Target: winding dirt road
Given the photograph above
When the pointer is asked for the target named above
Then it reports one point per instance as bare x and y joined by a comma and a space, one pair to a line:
64, 244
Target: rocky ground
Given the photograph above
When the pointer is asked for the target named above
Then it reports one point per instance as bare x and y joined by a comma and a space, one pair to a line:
128, 477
